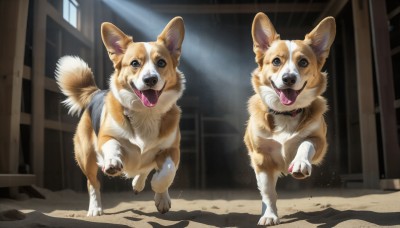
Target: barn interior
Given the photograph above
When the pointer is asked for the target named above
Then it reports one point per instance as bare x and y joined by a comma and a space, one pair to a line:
217, 60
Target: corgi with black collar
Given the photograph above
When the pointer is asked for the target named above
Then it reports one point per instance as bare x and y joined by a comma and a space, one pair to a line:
286, 131
133, 127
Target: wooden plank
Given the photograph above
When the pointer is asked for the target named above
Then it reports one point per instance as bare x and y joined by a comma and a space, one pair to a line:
50, 124
13, 21
102, 13
354, 164
15, 180
25, 118
51, 85
27, 73
394, 12
87, 9
88, 23
395, 50
384, 78
365, 94
333, 8
236, 8
38, 71
59, 126
397, 104
334, 115
390, 184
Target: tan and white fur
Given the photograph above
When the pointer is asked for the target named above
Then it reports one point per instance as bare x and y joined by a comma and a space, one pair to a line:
286, 131
139, 124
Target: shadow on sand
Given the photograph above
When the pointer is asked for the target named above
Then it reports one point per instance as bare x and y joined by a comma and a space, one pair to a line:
331, 217
203, 217
38, 220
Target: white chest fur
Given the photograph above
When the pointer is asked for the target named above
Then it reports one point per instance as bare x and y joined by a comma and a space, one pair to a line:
145, 129
285, 127
145, 132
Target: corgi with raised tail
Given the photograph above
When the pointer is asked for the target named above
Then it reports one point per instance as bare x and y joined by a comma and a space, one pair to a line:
133, 127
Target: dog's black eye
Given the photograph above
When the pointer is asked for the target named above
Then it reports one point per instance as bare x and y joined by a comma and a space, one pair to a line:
276, 62
303, 63
135, 63
161, 63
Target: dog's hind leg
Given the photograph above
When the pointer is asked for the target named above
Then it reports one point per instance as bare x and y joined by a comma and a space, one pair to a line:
167, 164
89, 168
85, 155
93, 186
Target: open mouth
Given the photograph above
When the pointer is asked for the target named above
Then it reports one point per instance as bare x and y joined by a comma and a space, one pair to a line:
288, 96
149, 97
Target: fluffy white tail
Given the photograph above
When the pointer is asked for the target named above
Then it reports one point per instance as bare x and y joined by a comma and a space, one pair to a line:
76, 81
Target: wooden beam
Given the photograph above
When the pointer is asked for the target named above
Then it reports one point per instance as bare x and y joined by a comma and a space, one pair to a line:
354, 163
236, 8
390, 184
25, 118
394, 12
27, 73
13, 21
51, 85
395, 51
333, 8
102, 13
50, 124
363, 57
38, 71
384, 78
15, 180
59, 126
397, 104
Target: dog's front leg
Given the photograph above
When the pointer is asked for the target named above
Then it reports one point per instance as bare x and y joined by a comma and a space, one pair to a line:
167, 164
301, 166
111, 149
266, 182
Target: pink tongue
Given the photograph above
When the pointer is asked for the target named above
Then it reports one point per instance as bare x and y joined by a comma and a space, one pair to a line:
288, 96
149, 97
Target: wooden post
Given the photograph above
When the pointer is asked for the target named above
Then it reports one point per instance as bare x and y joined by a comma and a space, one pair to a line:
384, 78
38, 71
365, 94
352, 114
13, 20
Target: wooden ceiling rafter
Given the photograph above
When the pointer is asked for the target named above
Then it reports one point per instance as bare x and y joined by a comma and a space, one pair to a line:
237, 8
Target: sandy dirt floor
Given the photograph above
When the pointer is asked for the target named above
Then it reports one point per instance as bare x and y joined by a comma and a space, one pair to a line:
311, 208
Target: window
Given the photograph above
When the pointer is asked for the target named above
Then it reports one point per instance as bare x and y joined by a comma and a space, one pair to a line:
71, 12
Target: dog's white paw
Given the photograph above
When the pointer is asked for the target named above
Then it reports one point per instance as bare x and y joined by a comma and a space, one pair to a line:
112, 166
162, 202
268, 220
94, 211
138, 184
300, 168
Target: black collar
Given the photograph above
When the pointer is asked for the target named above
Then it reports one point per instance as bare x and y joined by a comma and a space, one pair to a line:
292, 113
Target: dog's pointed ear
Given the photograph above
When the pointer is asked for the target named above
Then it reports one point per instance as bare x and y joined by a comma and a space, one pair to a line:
321, 38
172, 37
115, 41
263, 33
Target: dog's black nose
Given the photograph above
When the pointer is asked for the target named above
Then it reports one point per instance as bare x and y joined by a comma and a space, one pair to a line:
150, 80
289, 79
